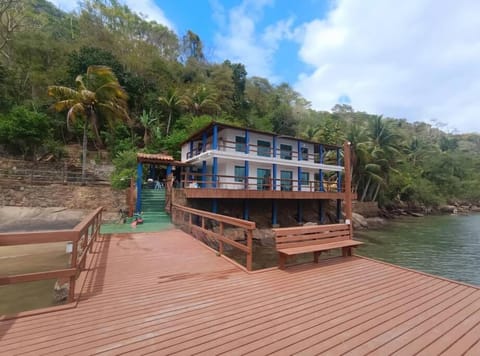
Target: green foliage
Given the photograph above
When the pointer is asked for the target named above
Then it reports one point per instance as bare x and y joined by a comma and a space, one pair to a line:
24, 131
125, 163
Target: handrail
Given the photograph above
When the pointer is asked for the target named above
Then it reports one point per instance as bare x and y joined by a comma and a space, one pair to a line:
82, 237
248, 226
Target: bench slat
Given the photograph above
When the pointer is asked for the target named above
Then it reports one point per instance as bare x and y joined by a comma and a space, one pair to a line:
318, 242
318, 247
306, 229
313, 237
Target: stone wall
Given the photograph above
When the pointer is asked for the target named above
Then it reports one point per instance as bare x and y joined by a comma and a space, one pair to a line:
14, 193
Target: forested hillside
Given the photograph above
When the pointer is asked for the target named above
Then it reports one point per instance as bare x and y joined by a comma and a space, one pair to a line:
161, 87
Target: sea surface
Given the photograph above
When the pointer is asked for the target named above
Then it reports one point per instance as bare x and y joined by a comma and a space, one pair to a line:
447, 246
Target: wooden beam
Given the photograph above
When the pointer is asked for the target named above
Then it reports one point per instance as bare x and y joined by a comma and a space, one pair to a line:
27, 238
38, 276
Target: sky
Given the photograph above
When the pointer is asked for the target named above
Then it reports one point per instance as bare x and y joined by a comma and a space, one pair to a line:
412, 59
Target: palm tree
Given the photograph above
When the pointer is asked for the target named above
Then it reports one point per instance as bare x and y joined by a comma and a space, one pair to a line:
172, 102
201, 101
98, 96
146, 119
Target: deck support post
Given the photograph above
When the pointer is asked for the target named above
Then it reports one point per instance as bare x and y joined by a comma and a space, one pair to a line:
274, 212
300, 211
139, 187
274, 176
339, 210
245, 209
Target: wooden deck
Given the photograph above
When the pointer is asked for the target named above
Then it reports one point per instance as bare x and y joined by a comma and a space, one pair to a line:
164, 293
198, 193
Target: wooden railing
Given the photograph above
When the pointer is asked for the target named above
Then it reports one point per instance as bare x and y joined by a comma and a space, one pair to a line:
221, 181
197, 220
81, 236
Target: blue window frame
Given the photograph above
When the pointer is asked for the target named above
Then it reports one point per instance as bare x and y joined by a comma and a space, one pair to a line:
263, 148
239, 173
240, 143
286, 151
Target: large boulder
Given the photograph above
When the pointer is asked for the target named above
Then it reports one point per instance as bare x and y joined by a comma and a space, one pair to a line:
449, 209
376, 222
359, 221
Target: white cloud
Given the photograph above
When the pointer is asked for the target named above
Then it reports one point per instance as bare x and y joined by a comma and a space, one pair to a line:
147, 8
416, 59
240, 41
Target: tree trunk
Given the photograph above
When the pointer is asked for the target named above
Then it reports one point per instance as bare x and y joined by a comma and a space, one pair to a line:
365, 190
169, 121
84, 153
376, 192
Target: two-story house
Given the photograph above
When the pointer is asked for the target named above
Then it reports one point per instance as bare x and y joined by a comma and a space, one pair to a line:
247, 167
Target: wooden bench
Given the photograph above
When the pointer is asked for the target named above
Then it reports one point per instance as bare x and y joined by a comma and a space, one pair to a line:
316, 238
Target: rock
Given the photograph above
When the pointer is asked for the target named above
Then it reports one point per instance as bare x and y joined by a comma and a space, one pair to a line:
375, 222
475, 209
359, 222
418, 215
451, 209
60, 292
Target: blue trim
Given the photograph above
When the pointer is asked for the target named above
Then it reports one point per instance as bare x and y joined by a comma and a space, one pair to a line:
204, 141
320, 177
138, 207
274, 146
274, 212
169, 169
214, 172
214, 205
204, 173
321, 153
245, 210
247, 141
299, 148
274, 176
299, 179
299, 211
215, 137
247, 174
339, 210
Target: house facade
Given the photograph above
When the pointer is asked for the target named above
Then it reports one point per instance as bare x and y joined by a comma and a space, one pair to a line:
248, 166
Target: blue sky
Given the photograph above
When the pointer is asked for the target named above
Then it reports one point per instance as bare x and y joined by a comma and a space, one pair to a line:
413, 59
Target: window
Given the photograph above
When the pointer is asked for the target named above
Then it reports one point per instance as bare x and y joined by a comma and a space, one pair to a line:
240, 143
304, 153
286, 180
263, 148
304, 178
239, 173
286, 152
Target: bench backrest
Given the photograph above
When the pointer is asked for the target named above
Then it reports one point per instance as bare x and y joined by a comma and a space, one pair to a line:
311, 235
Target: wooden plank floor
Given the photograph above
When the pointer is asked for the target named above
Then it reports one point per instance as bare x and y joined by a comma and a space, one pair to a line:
163, 293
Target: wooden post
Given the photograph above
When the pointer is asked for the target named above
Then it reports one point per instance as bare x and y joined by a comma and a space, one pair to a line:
73, 264
348, 185
220, 243
189, 223
250, 249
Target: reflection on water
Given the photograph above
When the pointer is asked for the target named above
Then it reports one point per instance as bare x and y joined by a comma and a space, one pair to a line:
28, 259
447, 246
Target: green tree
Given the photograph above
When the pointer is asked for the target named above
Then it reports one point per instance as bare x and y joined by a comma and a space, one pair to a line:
172, 104
97, 98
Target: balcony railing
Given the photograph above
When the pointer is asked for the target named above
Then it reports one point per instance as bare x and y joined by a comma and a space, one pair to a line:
328, 157
219, 181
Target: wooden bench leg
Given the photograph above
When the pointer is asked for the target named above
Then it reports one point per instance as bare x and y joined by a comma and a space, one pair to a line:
316, 255
282, 260
346, 251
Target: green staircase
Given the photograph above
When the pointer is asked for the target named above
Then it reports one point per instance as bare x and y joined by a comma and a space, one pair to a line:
153, 206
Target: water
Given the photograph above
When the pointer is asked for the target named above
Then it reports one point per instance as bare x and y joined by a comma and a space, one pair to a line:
447, 246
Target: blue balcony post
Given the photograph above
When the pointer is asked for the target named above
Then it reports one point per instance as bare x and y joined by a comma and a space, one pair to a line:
215, 137
274, 212
339, 209
247, 142
247, 173
299, 211
274, 145
204, 173
274, 176
339, 173
139, 187
245, 209
204, 141
320, 171
299, 148
214, 172
299, 180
